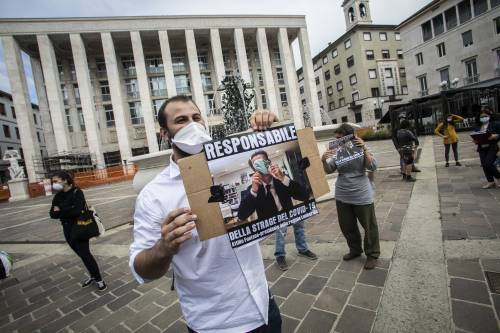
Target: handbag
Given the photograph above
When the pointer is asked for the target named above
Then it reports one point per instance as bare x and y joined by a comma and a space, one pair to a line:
88, 225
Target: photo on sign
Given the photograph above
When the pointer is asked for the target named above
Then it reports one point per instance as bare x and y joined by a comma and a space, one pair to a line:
345, 150
264, 185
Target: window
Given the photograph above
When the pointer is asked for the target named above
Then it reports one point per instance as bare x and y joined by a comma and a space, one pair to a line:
179, 62
420, 59
18, 136
331, 106
340, 86
81, 120
464, 11
77, 93
158, 85
378, 113
320, 95
336, 69
110, 116
334, 121
451, 18
206, 81
367, 36
135, 113
497, 25
467, 38
329, 90
35, 119
372, 73
260, 77
157, 103
404, 90
400, 54
38, 137
388, 72
226, 59
2, 110
480, 6
344, 119
327, 75
347, 44
383, 35
375, 92
397, 36
438, 25
445, 75
13, 110
301, 89
6, 131
263, 98
325, 60
350, 61
427, 31
358, 117
210, 104
386, 54
105, 91
471, 70
284, 101
128, 65
131, 86
423, 85
494, 3
341, 104
317, 80
441, 50
402, 72
355, 96
182, 84
353, 79
335, 53
68, 121
369, 55
279, 75
390, 91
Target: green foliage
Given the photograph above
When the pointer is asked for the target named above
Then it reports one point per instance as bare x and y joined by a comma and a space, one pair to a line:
371, 135
236, 104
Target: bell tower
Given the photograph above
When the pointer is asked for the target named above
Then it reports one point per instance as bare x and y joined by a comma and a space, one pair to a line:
356, 12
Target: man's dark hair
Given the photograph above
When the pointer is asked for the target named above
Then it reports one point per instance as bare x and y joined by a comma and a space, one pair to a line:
162, 116
344, 129
64, 175
405, 124
258, 152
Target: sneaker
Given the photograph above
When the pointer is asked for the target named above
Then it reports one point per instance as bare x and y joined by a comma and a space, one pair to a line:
370, 263
458, 164
308, 254
101, 285
416, 170
350, 256
87, 282
410, 179
447, 164
281, 261
489, 185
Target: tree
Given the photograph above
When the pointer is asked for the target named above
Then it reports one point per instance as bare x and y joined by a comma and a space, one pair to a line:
237, 106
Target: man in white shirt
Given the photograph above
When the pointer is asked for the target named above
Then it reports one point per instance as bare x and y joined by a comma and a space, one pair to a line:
220, 289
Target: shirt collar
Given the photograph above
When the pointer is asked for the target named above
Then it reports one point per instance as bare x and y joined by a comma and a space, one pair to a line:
173, 168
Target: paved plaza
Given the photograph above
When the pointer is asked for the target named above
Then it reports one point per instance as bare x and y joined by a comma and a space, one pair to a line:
439, 237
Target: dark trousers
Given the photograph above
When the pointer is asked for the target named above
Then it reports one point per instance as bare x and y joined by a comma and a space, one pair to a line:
349, 215
454, 146
488, 157
82, 249
273, 322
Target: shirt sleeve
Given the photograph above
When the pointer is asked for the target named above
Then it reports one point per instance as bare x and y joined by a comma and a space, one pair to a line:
147, 229
332, 165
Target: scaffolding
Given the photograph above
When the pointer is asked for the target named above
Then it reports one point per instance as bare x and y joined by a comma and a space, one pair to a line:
73, 162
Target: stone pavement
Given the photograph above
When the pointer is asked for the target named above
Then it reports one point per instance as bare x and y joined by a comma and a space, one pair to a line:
326, 295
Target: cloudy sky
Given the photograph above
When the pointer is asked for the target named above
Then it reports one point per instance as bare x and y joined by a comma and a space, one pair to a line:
325, 20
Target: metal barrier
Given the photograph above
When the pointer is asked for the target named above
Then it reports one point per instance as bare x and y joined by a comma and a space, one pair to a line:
109, 175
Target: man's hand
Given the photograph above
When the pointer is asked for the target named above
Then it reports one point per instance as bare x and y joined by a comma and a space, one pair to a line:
493, 137
177, 229
262, 120
359, 142
56, 209
256, 182
277, 173
327, 155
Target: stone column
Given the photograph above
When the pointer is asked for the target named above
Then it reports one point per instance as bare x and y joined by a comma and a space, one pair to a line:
43, 105
292, 92
87, 99
267, 72
309, 83
241, 54
117, 98
194, 71
167, 63
54, 95
220, 71
142, 79
22, 104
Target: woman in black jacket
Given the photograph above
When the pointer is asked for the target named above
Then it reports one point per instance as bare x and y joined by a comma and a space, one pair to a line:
488, 151
67, 205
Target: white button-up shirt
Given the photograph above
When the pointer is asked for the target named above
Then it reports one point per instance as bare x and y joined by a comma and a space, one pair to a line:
220, 289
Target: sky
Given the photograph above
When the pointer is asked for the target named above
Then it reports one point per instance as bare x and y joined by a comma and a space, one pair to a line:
325, 18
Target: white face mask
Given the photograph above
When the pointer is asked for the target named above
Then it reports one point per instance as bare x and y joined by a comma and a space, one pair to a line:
57, 187
190, 138
484, 119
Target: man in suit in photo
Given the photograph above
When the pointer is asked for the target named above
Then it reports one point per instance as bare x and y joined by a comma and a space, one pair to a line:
272, 192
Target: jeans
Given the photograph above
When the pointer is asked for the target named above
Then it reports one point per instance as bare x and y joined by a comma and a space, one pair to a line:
82, 249
488, 157
454, 146
300, 239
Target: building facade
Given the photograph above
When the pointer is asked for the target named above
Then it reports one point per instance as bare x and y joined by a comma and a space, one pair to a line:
452, 44
102, 80
362, 73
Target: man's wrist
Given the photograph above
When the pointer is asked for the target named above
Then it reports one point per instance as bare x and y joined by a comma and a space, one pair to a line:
162, 250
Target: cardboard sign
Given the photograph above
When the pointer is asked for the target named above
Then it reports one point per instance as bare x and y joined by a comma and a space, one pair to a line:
281, 164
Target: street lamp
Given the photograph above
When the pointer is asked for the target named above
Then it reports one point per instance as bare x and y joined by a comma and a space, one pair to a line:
379, 105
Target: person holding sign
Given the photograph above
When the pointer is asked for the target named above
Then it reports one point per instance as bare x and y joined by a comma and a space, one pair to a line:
353, 193
447, 131
220, 289
407, 143
272, 192
486, 137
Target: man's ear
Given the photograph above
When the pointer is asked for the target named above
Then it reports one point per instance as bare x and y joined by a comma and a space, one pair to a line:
165, 133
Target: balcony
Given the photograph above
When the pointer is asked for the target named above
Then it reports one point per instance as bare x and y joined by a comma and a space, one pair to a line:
155, 70
208, 87
78, 100
392, 98
66, 101
471, 79
203, 66
179, 68
132, 94
183, 90
106, 97
424, 93
73, 76
129, 71
101, 74
159, 92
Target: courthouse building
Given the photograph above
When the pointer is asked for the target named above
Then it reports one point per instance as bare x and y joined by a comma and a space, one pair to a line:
101, 81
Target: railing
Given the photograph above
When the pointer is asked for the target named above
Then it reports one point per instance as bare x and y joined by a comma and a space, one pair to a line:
183, 90
424, 93
208, 87
106, 97
137, 121
471, 79
129, 71
179, 68
73, 77
159, 92
203, 66
101, 74
133, 94
105, 176
78, 100
155, 70
392, 97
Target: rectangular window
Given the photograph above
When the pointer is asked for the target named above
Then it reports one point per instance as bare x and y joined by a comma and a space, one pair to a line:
182, 84
202, 61
135, 113
497, 25
467, 38
397, 36
325, 60
383, 36
335, 53
132, 88
284, 101
329, 90
471, 70
331, 106
378, 113
372, 73
340, 86
344, 119
317, 80
158, 85
347, 44
110, 116
81, 120
350, 61
276, 57
77, 93
427, 31
210, 104
13, 110
404, 90
388, 73
355, 96
420, 59
441, 50
375, 92
263, 98
386, 54
179, 62
2, 110
464, 11
128, 63
402, 72
206, 81
367, 36
226, 59
390, 91
18, 136
336, 69
301, 89
34, 119
423, 85
320, 95
353, 79
6, 131
445, 75
327, 75
157, 103
68, 121
370, 55
494, 3
280, 76
38, 137
400, 54
480, 6
334, 121
358, 117
341, 104
105, 91
450, 16
438, 25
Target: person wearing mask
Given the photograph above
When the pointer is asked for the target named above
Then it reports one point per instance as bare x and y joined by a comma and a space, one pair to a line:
446, 130
488, 151
401, 160
354, 198
407, 142
270, 193
220, 289
67, 206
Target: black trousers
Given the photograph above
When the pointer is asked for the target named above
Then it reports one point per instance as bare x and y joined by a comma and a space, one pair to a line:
488, 157
82, 249
454, 146
273, 322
